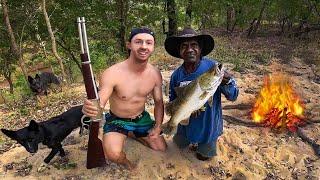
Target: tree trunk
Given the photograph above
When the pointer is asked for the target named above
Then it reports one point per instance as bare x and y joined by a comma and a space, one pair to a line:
122, 14
53, 40
204, 20
188, 20
256, 24
70, 52
8, 78
172, 16
2, 98
14, 46
230, 18
164, 19
250, 29
312, 7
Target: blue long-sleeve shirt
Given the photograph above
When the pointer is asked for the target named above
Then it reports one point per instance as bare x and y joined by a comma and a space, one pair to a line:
207, 126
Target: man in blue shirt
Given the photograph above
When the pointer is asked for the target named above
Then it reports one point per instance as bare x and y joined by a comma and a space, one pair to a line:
205, 125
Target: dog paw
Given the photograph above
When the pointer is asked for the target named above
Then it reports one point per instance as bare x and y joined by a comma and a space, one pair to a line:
43, 167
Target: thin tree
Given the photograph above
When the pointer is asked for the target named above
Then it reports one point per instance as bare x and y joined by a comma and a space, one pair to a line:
188, 20
172, 16
12, 38
231, 18
256, 22
7, 60
122, 15
53, 39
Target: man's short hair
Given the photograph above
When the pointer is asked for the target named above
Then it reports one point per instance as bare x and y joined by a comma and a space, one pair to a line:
136, 31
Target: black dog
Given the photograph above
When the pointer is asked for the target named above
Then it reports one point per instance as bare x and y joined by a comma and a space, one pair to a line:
40, 83
51, 132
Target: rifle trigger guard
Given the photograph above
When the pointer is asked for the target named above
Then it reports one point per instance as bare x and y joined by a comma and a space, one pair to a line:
84, 123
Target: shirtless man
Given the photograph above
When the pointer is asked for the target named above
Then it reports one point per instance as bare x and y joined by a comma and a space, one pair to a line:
126, 85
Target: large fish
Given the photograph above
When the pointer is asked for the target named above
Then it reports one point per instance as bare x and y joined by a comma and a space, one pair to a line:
192, 97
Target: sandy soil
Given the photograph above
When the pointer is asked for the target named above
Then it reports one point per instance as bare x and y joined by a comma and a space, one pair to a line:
243, 152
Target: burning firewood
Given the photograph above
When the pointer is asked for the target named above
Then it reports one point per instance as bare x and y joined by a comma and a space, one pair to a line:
279, 107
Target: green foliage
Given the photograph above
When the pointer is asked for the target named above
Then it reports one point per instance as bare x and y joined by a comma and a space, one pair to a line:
104, 54
24, 111
21, 86
240, 57
103, 24
7, 61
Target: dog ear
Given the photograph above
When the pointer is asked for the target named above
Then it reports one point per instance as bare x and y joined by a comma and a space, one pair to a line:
30, 79
33, 126
11, 134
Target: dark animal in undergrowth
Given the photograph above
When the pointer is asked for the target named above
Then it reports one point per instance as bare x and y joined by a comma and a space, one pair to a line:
50, 133
41, 82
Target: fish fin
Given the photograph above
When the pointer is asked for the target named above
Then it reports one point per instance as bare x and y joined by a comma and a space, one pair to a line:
168, 128
184, 90
203, 95
173, 106
210, 101
179, 91
195, 113
169, 108
184, 122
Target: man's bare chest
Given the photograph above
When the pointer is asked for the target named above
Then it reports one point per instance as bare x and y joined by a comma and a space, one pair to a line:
130, 87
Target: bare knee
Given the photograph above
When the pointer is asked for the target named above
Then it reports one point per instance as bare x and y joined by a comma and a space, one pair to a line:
159, 147
162, 148
114, 155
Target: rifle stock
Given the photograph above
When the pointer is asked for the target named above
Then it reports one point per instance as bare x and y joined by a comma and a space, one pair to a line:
95, 154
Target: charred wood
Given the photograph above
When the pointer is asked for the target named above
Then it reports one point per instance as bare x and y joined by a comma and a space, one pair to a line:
242, 122
312, 143
300, 133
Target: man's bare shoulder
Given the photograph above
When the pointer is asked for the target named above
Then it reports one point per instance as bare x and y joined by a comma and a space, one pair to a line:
153, 68
116, 68
155, 72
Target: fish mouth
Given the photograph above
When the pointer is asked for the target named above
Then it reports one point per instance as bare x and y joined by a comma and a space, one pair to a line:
216, 69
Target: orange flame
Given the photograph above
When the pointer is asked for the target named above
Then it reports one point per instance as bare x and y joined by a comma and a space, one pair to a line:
278, 105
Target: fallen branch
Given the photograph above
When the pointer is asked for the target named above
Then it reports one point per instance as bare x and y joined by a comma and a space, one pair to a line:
242, 122
248, 123
308, 122
312, 143
238, 106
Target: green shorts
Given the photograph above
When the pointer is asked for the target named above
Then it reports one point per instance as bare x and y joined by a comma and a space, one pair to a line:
139, 125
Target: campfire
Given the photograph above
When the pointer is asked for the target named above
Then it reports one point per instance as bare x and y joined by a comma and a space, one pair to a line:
278, 105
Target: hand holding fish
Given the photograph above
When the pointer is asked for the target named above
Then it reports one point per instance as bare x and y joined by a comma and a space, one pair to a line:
196, 113
226, 78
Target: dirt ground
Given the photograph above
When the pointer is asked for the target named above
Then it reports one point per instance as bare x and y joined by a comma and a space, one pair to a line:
243, 152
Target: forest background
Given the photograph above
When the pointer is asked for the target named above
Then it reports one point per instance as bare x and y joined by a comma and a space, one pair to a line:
253, 38
40, 35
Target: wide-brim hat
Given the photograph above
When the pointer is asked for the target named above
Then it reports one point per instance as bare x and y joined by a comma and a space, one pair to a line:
172, 43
